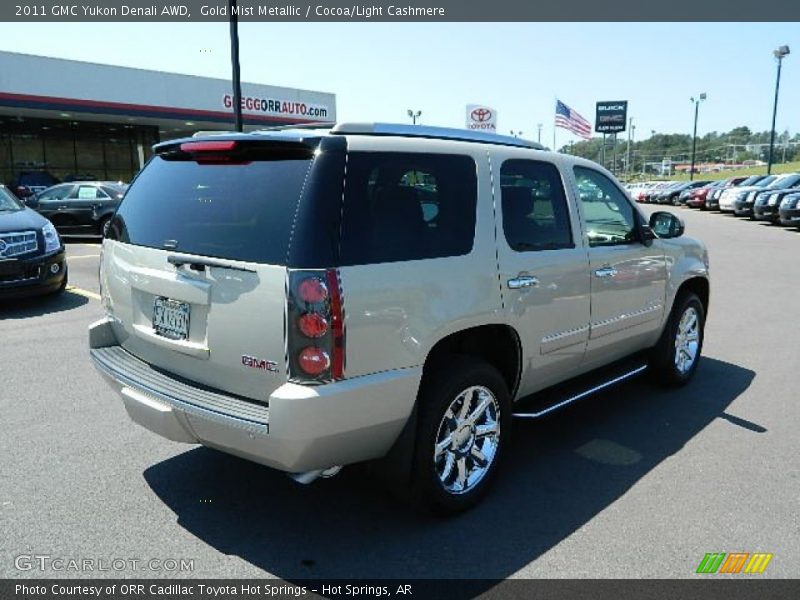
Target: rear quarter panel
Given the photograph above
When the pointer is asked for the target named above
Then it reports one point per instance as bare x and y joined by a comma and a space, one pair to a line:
395, 312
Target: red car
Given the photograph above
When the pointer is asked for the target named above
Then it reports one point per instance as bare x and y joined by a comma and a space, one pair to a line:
697, 197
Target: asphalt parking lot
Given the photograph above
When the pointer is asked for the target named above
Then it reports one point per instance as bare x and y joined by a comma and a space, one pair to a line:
634, 482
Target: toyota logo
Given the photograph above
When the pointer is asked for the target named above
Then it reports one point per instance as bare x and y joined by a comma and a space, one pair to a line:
3, 246
481, 114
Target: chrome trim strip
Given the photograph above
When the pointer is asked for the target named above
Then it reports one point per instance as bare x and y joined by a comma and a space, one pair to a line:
193, 409
597, 325
588, 392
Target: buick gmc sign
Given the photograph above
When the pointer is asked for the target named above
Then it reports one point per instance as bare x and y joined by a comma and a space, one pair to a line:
275, 106
611, 117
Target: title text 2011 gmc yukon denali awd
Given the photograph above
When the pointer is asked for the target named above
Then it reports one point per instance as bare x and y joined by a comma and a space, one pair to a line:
312, 298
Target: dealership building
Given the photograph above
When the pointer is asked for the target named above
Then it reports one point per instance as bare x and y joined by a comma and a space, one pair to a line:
83, 120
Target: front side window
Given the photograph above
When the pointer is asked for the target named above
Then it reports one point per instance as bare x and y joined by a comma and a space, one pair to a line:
535, 214
407, 206
608, 217
56, 193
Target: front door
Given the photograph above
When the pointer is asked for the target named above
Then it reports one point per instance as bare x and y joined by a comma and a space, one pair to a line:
543, 269
628, 277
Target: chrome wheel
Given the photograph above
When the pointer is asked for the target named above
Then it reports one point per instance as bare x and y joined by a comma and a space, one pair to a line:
687, 340
467, 440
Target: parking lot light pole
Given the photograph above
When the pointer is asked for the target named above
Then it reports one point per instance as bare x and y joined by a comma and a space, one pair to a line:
694, 135
539, 133
779, 54
237, 84
414, 115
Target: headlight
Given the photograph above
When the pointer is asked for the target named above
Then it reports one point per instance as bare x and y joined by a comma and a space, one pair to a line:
51, 240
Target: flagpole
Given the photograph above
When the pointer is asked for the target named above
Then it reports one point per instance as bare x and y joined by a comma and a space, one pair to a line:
554, 137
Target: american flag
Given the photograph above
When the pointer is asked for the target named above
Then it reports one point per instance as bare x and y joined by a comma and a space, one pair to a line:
570, 119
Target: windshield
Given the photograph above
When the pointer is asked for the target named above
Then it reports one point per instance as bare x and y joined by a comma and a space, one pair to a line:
785, 182
7, 201
767, 181
749, 181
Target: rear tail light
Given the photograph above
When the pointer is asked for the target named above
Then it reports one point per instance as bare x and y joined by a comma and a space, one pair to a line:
315, 327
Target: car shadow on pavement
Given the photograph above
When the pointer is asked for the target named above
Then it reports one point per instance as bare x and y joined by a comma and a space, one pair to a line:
38, 306
559, 474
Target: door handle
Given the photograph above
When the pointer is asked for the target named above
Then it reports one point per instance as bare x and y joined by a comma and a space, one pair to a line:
605, 272
522, 281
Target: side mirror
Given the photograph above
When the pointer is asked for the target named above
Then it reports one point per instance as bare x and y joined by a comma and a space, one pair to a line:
666, 225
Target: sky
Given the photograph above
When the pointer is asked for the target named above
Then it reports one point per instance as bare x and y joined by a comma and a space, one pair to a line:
380, 70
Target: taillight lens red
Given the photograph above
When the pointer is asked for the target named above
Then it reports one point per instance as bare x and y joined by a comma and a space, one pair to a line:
314, 361
312, 290
313, 325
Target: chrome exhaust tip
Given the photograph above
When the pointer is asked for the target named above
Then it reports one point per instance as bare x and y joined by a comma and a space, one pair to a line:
310, 476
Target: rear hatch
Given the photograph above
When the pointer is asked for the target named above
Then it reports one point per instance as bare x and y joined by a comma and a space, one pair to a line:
194, 268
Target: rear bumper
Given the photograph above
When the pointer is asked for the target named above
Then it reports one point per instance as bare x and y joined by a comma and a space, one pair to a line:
34, 276
301, 428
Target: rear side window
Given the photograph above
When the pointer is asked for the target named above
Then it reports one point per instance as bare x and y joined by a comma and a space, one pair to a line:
407, 206
236, 211
535, 214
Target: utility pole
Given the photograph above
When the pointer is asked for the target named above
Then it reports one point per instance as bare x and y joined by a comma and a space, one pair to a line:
694, 135
628, 168
237, 84
780, 53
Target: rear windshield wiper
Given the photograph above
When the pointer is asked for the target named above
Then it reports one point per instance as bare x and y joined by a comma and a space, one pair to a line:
200, 264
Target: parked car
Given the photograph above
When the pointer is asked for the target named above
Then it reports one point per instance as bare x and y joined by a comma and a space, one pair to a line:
789, 210
729, 197
697, 197
28, 183
653, 194
743, 206
32, 257
638, 190
712, 199
85, 206
315, 333
680, 195
765, 206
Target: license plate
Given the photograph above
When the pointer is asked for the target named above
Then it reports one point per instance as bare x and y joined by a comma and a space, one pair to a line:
171, 318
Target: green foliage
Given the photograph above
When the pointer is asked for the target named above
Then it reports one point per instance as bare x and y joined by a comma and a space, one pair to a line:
735, 146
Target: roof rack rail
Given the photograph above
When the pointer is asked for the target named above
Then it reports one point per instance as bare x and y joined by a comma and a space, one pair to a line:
320, 125
425, 131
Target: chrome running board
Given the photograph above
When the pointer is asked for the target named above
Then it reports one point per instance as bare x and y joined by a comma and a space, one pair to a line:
573, 398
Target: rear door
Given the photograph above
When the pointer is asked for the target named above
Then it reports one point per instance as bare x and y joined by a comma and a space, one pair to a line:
543, 268
195, 270
82, 202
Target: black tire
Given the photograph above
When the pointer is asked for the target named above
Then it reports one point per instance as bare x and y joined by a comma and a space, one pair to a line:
102, 225
663, 368
443, 388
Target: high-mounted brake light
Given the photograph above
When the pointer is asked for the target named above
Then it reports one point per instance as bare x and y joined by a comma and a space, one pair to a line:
217, 146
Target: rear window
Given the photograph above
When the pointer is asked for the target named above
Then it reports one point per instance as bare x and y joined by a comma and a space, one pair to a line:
235, 211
